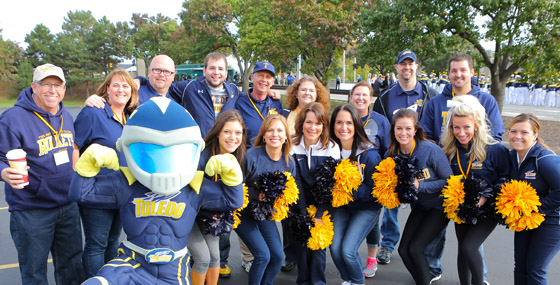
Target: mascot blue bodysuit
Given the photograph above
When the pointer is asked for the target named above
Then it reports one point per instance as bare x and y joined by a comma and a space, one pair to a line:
159, 194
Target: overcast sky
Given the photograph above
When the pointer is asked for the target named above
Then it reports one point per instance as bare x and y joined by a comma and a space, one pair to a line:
19, 17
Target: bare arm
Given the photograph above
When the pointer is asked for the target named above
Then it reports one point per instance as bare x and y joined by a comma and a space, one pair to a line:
95, 101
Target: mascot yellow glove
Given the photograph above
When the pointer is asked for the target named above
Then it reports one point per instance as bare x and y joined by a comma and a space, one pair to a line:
227, 167
95, 157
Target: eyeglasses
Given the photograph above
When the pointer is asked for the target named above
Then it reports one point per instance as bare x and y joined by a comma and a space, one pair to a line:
160, 71
49, 85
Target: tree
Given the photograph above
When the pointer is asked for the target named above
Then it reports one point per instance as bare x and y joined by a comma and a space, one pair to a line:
39, 41
212, 25
152, 35
524, 32
277, 31
10, 54
316, 30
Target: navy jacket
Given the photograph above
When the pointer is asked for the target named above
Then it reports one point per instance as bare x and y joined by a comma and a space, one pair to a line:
21, 128
495, 166
377, 130
435, 169
388, 102
541, 169
434, 120
306, 162
197, 99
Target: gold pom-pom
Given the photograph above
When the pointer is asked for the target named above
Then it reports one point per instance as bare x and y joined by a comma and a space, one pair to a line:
288, 197
237, 213
321, 233
348, 179
385, 180
518, 204
453, 196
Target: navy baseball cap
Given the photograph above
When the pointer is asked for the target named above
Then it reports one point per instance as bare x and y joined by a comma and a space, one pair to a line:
264, 65
406, 54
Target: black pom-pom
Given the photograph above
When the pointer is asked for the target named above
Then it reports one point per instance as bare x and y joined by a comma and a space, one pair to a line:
324, 181
475, 188
220, 223
300, 224
261, 211
407, 171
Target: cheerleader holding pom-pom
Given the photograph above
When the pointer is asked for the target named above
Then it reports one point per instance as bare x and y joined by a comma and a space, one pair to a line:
413, 172
316, 156
479, 163
531, 203
353, 221
268, 170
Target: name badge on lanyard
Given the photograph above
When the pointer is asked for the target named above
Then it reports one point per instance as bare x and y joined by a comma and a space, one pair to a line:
61, 157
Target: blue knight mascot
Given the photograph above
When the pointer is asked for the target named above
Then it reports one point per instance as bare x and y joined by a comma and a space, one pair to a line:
158, 194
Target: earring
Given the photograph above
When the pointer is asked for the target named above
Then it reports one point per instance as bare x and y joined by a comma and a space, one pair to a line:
286, 140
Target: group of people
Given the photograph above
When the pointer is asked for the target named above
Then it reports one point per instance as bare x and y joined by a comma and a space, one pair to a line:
457, 132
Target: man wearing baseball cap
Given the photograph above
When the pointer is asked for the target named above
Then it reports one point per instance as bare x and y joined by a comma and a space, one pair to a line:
42, 217
257, 105
407, 93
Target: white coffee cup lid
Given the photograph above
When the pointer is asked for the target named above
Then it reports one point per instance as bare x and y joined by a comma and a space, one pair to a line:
17, 153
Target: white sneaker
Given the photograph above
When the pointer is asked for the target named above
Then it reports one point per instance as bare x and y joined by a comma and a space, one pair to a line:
435, 278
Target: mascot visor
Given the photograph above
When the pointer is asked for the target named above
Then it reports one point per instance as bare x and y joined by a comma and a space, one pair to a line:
153, 158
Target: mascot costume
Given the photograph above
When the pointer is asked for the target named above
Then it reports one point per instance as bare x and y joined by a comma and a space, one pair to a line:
158, 195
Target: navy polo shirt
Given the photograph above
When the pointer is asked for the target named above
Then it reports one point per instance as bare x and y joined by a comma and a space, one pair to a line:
405, 99
251, 116
98, 126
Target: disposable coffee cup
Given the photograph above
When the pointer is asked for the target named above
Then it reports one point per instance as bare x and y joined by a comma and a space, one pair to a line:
18, 161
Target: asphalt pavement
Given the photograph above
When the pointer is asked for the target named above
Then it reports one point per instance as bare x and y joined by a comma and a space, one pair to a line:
498, 248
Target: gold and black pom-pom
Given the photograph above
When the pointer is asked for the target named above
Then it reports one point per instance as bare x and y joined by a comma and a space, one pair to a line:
278, 190
461, 196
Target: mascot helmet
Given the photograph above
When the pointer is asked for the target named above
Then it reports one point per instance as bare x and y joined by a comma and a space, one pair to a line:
162, 145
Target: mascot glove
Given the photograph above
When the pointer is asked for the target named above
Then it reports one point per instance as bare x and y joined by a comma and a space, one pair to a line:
95, 157
227, 167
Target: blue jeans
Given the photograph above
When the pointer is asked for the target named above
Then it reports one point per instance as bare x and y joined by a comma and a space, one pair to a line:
58, 230
102, 229
390, 228
263, 240
351, 226
289, 242
533, 251
224, 248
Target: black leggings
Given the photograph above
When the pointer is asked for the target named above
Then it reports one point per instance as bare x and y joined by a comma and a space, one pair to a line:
421, 228
469, 260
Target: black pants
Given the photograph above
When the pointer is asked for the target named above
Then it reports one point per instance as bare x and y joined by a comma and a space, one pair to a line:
422, 226
469, 260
